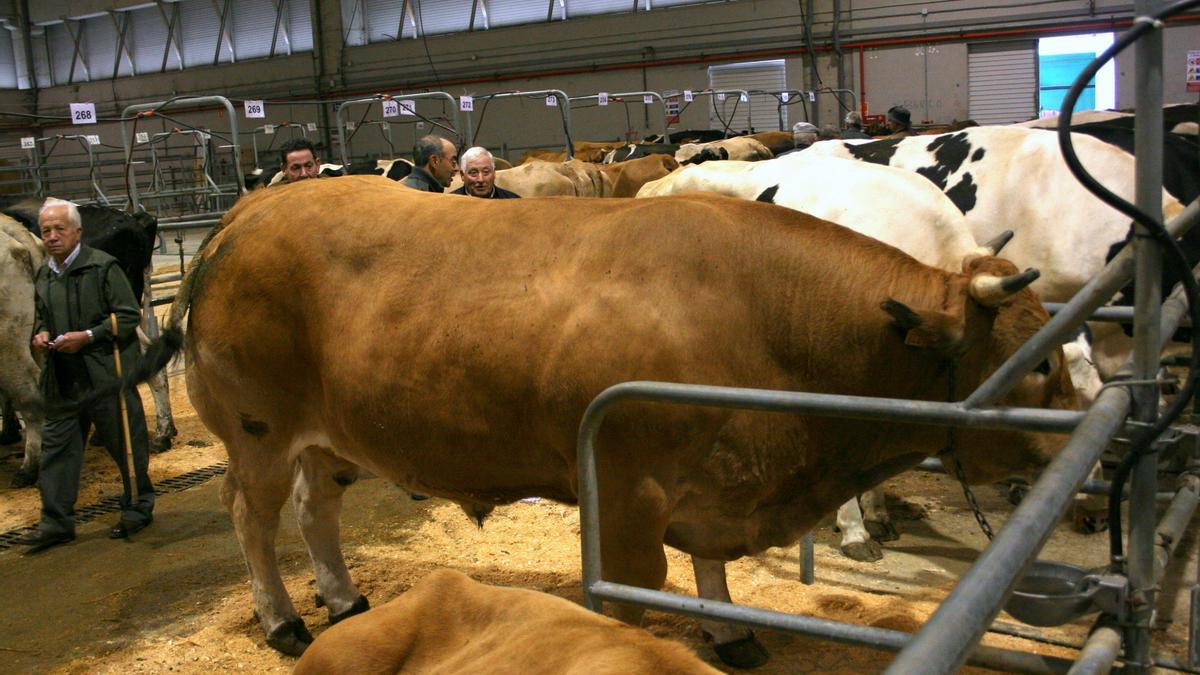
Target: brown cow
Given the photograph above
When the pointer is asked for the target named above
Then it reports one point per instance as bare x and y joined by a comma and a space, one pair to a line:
468, 378
776, 141
448, 623
581, 179
585, 151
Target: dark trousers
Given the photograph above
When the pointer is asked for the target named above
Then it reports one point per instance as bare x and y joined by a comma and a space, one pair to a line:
62, 460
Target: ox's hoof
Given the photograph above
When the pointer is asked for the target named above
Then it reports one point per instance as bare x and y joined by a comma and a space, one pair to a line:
24, 478
1017, 492
360, 605
745, 653
1090, 522
881, 530
863, 551
290, 638
160, 444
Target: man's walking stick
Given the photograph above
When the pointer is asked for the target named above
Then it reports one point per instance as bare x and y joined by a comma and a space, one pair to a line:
133, 487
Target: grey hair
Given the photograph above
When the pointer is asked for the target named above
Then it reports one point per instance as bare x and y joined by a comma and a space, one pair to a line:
853, 119
475, 153
72, 210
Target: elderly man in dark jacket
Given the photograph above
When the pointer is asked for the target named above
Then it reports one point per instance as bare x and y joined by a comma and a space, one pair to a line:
77, 291
435, 160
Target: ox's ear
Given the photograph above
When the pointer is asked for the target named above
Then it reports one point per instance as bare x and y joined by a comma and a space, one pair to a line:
723, 153
926, 329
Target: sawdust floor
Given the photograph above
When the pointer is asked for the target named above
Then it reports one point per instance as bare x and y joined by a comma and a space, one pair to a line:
176, 597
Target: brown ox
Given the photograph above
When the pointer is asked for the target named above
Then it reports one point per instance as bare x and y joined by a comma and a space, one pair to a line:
452, 345
581, 179
744, 148
584, 151
776, 141
448, 623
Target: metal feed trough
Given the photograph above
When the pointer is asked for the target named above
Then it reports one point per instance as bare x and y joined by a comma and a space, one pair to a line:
343, 139
562, 102
636, 97
1124, 595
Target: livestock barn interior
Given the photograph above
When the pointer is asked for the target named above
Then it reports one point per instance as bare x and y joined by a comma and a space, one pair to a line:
767, 441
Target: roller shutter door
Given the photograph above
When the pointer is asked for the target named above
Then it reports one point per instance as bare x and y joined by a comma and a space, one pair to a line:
1003, 84
760, 75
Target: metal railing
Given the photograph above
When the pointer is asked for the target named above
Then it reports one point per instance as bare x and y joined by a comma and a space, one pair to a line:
340, 117
633, 95
563, 105
950, 637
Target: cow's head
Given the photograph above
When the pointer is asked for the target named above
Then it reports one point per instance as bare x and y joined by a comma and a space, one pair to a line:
988, 314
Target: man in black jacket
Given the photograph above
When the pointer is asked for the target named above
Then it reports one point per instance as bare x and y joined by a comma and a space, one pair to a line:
479, 176
435, 160
77, 290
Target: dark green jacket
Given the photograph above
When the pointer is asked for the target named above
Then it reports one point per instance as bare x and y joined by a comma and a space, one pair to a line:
81, 299
420, 179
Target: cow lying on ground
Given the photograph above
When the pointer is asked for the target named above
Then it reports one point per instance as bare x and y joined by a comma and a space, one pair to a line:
448, 623
1015, 178
891, 205
468, 379
129, 239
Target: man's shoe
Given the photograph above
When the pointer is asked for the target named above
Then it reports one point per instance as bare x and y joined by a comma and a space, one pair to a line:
124, 528
40, 541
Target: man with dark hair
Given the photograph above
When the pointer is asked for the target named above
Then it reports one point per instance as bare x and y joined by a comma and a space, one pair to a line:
434, 161
298, 160
79, 290
899, 122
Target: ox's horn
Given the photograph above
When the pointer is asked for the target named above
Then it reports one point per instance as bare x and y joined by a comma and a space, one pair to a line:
991, 290
997, 244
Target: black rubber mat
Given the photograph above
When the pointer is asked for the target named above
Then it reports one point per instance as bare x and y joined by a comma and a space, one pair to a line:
113, 504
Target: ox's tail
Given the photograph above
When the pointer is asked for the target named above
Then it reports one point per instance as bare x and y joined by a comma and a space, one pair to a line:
168, 345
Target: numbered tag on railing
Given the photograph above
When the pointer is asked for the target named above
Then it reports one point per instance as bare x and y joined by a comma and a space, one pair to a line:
408, 107
268, 129
83, 113
647, 99
784, 96
312, 126
602, 98
28, 142
254, 109
391, 108
687, 96
93, 139
720, 97
142, 137
350, 126
812, 97
552, 101
466, 103
744, 98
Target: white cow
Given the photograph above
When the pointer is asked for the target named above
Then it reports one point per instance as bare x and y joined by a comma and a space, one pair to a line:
20, 256
1015, 178
738, 148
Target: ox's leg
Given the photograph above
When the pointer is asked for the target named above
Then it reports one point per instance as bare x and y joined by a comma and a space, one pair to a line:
320, 481
10, 429
22, 387
736, 645
254, 495
1089, 513
876, 516
856, 541
164, 423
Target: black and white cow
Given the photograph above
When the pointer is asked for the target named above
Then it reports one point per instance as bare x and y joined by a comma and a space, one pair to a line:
396, 169
1015, 178
130, 239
